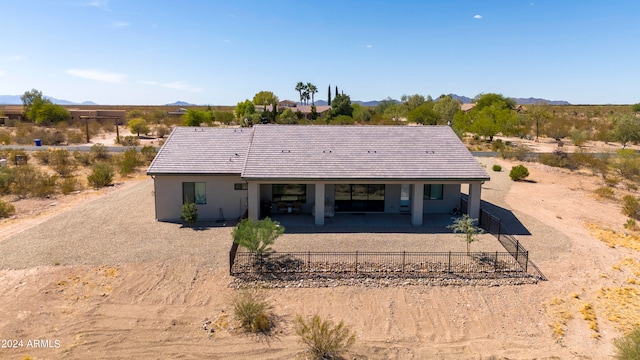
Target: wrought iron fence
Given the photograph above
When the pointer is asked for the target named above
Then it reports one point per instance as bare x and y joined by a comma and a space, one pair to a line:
494, 226
414, 263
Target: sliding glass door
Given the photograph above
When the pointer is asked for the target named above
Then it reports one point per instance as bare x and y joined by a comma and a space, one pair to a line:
359, 197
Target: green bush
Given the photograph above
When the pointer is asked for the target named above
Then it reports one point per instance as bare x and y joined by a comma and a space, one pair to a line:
101, 175
189, 213
61, 162
253, 311
628, 347
43, 156
44, 185
129, 161
605, 192
25, 177
69, 185
130, 141
82, 158
324, 339
6, 209
257, 235
7, 177
518, 173
148, 153
99, 152
631, 206
496, 167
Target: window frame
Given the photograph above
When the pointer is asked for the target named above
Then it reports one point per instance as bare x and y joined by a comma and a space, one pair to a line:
277, 193
198, 190
430, 194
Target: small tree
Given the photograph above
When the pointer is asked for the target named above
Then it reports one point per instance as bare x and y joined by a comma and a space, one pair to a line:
189, 213
466, 226
257, 236
324, 339
518, 173
138, 126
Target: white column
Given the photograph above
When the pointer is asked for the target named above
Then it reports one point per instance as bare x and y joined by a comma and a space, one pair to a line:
417, 203
319, 205
253, 200
473, 206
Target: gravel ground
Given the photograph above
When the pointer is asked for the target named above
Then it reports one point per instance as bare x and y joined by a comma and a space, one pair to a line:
120, 228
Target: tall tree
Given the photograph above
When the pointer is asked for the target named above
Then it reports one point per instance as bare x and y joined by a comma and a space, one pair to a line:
244, 109
41, 110
300, 88
539, 115
337, 90
341, 105
446, 107
265, 98
412, 101
329, 96
312, 89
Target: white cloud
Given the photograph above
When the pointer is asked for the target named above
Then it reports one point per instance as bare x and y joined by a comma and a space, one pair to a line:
121, 24
100, 4
176, 85
477, 16
12, 58
97, 75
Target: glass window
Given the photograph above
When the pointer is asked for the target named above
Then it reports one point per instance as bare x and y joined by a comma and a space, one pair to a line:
433, 192
240, 186
194, 192
289, 192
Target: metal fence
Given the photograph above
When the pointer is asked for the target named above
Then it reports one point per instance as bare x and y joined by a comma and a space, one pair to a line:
414, 263
494, 226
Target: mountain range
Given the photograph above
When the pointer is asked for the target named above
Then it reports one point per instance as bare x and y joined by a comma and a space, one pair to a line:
15, 100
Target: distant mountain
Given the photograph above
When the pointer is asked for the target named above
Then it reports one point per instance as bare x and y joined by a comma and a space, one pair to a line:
529, 101
180, 103
15, 100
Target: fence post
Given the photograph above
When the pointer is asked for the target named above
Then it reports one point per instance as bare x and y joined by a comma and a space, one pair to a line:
404, 254
526, 264
356, 261
449, 261
495, 263
499, 228
517, 248
309, 261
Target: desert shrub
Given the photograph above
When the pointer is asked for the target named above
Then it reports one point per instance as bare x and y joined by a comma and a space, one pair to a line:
631, 186
61, 162
43, 156
631, 206
130, 141
76, 137
5, 137
138, 126
496, 167
162, 130
24, 177
518, 173
518, 152
6, 209
324, 339
148, 153
578, 137
129, 161
257, 235
627, 164
497, 145
6, 179
82, 158
44, 185
99, 152
631, 225
189, 213
628, 347
23, 134
611, 181
253, 311
69, 185
101, 175
605, 192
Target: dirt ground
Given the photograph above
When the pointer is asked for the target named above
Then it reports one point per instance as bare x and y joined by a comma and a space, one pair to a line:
147, 291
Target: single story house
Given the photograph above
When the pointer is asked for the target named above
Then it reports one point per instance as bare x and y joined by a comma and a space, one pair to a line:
314, 169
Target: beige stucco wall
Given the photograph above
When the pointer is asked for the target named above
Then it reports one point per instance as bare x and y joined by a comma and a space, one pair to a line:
220, 194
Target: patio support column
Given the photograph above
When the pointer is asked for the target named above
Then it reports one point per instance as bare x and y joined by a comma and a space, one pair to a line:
473, 205
417, 204
253, 200
319, 205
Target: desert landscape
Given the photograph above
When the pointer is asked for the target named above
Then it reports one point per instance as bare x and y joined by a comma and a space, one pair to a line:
93, 275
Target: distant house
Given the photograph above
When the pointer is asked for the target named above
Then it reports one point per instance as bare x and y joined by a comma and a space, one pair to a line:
305, 110
15, 112
318, 170
467, 107
179, 112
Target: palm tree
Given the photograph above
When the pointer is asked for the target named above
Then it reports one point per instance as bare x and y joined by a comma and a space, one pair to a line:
300, 87
312, 90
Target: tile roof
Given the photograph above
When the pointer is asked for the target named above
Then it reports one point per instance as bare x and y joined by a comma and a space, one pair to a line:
203, 150
317, 152
359, 152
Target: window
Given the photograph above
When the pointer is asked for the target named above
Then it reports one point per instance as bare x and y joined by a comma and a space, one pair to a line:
289, 192
433, 191
240, 186
359, 197
194, 192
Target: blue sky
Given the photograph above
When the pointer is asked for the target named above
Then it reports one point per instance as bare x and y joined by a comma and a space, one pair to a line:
222, 52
